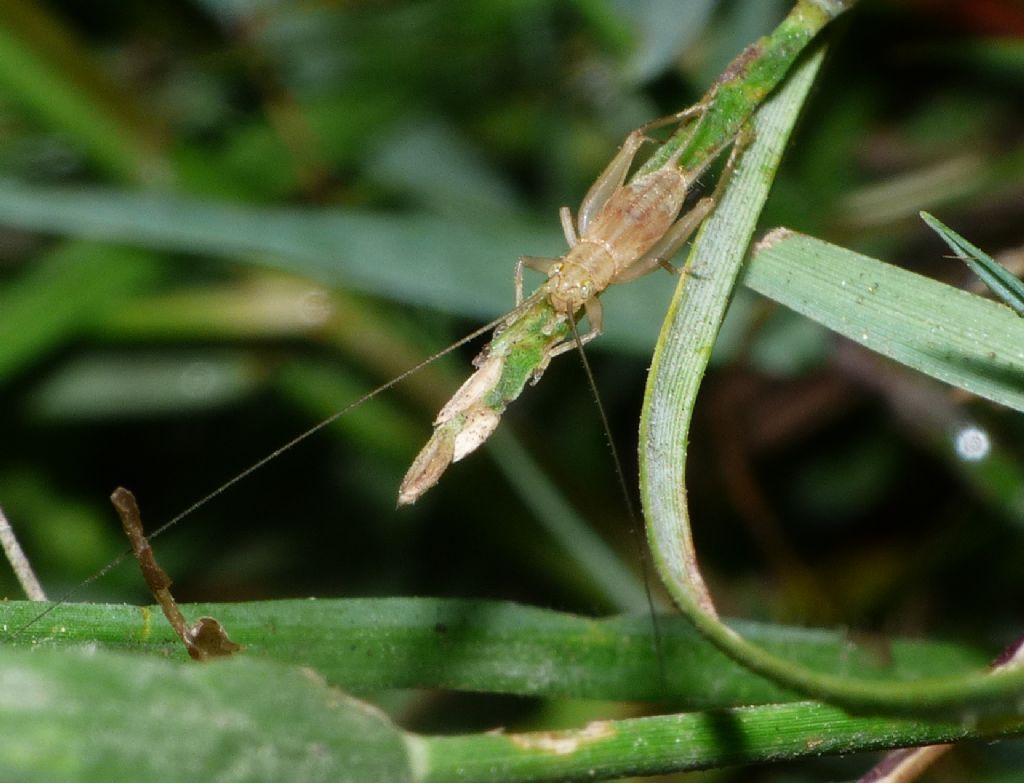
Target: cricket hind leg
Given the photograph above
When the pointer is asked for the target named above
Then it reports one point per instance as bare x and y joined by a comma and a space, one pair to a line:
610, 180
614, 175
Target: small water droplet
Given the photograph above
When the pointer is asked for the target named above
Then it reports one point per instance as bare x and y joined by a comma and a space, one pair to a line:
972, 443
872, 288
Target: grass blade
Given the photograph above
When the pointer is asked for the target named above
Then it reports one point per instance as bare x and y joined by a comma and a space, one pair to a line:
97, 715
88, 716
679, 362
688, 334
950, 334
674, 743
489, 647
1003, 284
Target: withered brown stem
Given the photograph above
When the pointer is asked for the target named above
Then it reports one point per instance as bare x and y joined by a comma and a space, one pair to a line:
207, 638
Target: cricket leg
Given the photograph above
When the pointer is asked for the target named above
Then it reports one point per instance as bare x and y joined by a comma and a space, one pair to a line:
537, 263
610, 180
595, 316
681, 117
614, 175
568, 229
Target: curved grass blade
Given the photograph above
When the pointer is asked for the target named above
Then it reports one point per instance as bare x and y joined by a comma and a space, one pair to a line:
688, 335
679, 362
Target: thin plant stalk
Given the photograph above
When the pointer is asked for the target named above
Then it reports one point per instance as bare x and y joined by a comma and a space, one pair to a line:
19, 562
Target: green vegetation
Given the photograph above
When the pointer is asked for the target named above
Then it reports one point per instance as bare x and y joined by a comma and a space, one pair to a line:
222, 222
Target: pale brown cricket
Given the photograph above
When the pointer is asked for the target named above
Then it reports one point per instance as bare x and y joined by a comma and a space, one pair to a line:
622, 231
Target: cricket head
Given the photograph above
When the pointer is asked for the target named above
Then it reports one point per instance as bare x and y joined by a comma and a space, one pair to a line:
570, 285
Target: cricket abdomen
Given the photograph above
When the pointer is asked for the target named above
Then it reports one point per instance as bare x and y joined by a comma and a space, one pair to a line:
636, 217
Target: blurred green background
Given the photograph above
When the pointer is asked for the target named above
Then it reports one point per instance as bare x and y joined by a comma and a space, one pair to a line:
221, 220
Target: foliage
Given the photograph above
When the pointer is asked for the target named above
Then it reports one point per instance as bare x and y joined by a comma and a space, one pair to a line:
223, 221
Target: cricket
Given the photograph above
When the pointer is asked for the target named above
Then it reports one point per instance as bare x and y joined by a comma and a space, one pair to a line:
629, 223
623, 230
227, 226
649, 184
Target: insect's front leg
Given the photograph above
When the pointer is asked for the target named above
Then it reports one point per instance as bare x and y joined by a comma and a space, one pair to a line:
595, 317
537, 263
568, 229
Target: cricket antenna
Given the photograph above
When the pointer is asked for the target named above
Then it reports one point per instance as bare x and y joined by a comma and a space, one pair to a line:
528, 302
633, 519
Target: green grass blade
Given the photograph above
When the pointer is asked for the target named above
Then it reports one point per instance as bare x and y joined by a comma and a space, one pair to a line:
688, 335
365, 645
674, 743
457, 266
97, 715
1003, 284
679, 362
950, 334
420, 258
110, 386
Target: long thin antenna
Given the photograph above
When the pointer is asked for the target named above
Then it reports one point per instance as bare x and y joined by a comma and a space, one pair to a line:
529, 301
634, 525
